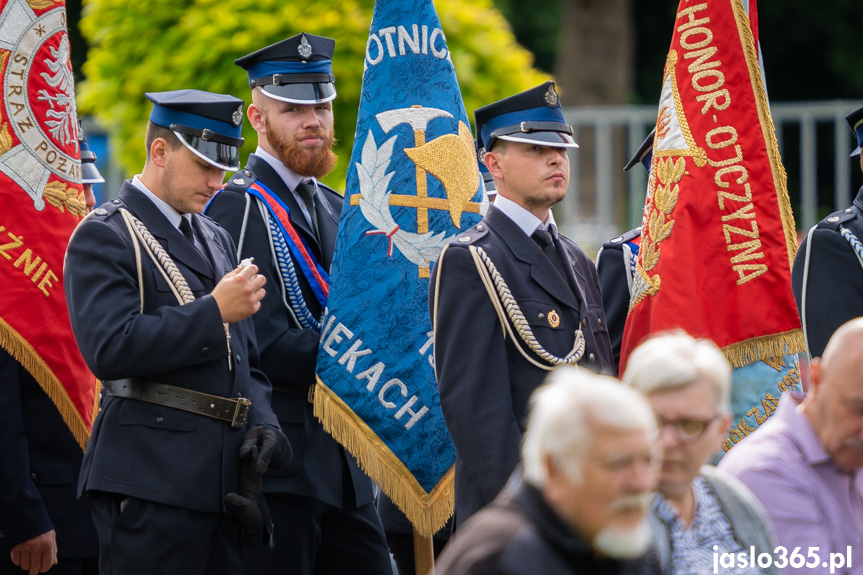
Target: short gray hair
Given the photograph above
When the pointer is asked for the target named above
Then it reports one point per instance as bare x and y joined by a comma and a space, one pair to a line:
673, 359
562, 411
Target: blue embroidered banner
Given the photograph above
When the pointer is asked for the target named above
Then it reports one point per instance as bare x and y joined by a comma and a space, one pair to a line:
412, 185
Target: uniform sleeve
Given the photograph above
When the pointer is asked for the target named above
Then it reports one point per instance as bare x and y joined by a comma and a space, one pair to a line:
23, 514
611, 268
288, 353
834, 286
472, 373
115, 339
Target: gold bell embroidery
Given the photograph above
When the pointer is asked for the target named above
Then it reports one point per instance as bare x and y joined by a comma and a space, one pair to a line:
553, 318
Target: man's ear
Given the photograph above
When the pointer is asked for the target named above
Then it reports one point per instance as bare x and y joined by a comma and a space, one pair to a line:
256, 117
492, 163
159, 150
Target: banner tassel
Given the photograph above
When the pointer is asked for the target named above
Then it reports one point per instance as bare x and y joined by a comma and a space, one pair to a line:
765, 347
428, 511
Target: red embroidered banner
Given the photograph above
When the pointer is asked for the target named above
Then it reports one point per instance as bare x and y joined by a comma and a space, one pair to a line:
42, 199
718, 232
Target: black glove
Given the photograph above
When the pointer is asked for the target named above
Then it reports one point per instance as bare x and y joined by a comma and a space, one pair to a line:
266, 445
249, 506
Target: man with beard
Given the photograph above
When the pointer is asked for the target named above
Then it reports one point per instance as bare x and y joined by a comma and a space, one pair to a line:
279, 213
590, 458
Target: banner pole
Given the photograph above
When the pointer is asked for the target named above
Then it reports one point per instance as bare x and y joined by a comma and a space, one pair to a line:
423, 554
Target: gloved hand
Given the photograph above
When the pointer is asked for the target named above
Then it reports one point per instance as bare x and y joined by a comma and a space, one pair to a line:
249, 506
266, 445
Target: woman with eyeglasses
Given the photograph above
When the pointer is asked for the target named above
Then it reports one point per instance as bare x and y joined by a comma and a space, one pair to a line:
700, 515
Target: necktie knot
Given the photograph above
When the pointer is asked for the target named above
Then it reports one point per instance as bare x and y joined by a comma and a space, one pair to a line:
306, 190
543, 238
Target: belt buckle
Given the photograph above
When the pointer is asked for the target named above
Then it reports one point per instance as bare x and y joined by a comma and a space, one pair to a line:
241, 413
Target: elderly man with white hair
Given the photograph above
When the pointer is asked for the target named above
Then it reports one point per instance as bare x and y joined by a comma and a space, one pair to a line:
700, 515
590, 461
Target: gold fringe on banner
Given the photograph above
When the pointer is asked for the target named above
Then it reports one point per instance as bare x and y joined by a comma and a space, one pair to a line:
23, 352
765, 347
428, 511
780, 178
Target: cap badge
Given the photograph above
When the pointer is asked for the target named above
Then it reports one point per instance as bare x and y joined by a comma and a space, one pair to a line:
237, 116
550, 97
304, 49
553, 318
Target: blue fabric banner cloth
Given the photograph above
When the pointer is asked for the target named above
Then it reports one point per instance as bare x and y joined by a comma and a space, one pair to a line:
412, 185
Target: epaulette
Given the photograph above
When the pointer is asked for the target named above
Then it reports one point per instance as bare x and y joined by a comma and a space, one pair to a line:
472, 235
623, 238
105, 211
836, 219
239, 181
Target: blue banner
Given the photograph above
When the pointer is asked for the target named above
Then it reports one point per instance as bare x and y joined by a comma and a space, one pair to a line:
412, 185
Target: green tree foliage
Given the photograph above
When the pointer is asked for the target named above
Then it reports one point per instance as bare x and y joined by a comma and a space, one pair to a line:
161, 45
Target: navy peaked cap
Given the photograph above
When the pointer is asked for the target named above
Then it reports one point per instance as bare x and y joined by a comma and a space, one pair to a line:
533, 116
297, 70
210, 125
855, 120
644, 154
89, 172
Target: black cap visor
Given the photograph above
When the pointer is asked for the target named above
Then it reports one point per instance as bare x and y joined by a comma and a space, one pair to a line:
223, 156
90, 174
315, 93
544, 138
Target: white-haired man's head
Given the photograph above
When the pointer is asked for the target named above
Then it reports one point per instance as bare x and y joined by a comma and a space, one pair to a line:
687, 382
590, 448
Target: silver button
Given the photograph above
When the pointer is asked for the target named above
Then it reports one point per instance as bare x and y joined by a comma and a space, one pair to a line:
248, 173
480, 228
115, 202
205, 350
591, 358
160, 419
849, 211
540, 316
599, 321
239, 358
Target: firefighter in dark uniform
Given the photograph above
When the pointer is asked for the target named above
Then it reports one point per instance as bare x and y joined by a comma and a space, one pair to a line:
615, 264
827, 277
40, 513
160, 310
279, 212
511, 298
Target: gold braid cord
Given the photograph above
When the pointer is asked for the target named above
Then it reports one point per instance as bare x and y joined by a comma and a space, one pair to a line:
157, 253
490, 276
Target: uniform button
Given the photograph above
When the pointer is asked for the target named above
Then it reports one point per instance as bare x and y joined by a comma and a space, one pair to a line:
599, 321
160, 419
480, 228
239, 358
591, 358
205, 350
33, 476
540, 315
117, 202
849, 211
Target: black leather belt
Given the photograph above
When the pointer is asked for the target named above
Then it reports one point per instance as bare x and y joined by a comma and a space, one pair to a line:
234, 411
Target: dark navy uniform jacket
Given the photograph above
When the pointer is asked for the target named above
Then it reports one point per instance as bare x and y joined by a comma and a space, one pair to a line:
484, 382
613, 267
139, 449
833, 284
289, 352
39, 465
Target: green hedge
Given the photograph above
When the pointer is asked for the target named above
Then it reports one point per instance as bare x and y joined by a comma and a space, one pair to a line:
159, 45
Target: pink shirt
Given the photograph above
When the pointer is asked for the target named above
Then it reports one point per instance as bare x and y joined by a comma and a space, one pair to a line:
811, 502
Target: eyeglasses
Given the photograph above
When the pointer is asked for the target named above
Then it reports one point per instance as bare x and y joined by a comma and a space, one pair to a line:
687, 430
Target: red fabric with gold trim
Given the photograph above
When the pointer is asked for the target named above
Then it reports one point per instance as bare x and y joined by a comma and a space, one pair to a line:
42, 199
718, 233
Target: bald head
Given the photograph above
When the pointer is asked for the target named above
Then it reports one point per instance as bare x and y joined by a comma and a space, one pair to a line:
834, 405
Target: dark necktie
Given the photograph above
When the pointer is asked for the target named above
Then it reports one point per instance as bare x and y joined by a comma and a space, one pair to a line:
186, 228
307, 192
546, 242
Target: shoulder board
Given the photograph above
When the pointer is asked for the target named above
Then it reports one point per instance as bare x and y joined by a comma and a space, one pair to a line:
471, 235
240, 181
107, 209
834, 220
623, 238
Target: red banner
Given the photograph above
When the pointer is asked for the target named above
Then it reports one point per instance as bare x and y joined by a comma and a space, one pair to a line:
718, 233
42, 199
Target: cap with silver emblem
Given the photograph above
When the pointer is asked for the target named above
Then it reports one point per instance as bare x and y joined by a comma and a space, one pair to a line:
532, 117
208, 124
89, 172
855, 120
297, 70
